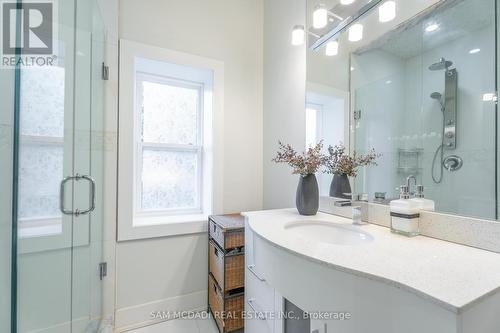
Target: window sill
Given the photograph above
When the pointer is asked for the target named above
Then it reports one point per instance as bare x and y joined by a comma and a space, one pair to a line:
164, 226
42, 227
40, 231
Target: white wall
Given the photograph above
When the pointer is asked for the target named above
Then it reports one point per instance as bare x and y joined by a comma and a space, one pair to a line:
378, 86
229, 31
330, 71
284, 96
170, 273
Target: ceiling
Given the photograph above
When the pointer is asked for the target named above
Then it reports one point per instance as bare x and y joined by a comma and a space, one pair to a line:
455, 18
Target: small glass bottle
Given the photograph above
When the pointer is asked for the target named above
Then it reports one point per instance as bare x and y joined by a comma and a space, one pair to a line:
405, 214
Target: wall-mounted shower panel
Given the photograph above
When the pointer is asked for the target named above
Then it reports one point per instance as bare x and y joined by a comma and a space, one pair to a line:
450, 109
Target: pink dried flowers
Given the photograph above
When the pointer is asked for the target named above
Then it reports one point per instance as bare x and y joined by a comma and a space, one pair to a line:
340, 163
306, 163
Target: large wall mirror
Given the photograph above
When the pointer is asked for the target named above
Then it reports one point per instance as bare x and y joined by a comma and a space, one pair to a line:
421, 89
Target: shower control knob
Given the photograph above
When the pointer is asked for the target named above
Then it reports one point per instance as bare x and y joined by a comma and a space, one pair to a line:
449, 135
450, 122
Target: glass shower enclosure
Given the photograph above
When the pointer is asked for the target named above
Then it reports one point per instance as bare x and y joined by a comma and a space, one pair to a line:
426, 96
51, 169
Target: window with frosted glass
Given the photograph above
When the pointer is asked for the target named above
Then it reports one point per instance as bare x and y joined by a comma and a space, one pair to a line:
41, 145
169, 114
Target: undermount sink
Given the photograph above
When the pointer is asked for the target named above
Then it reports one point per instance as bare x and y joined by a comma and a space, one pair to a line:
328, 232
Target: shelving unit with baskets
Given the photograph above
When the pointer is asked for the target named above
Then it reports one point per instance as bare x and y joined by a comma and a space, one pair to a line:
226, 275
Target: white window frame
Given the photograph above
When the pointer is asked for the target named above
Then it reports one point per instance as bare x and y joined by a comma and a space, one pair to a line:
132, 223
197, 147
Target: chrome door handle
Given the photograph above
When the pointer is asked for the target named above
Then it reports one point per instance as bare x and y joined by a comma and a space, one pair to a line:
77, 212
251, 268
91, 196
61, 196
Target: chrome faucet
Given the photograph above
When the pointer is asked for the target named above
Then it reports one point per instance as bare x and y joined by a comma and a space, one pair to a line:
408, 180
356, 200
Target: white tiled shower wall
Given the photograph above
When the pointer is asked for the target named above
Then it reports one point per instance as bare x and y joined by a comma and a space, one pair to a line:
393, 94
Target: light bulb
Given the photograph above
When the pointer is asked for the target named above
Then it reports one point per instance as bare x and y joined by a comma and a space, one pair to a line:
298, 35
387, 11
356, 32
332, 48
346, 2
432, 27
489, 97
320, 17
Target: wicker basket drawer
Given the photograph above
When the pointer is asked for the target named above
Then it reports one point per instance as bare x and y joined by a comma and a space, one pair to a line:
226, 311
227, 269
227, 237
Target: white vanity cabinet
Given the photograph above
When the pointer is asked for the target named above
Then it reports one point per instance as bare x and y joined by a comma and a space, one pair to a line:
262, 298
259, 295
279, 267
319, 326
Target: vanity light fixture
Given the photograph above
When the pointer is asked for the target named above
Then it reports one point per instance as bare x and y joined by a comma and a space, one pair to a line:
298, 35
387, 11
320, 17
332, 48
356, 32
330, 39
323, 16
432, 27
474, 51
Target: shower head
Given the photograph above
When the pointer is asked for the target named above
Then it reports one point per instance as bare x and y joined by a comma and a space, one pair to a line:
436, 95
442, 64
439, 97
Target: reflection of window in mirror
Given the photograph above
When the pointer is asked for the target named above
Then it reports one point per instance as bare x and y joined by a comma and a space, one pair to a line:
325, 115
313, 130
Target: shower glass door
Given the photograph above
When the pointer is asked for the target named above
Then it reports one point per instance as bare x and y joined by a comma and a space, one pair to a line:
58, 221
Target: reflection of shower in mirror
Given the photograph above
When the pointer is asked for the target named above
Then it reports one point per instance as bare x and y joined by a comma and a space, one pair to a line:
449, 115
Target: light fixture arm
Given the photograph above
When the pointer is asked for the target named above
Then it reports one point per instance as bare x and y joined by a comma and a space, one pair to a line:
346, 23
335, 15
313, 34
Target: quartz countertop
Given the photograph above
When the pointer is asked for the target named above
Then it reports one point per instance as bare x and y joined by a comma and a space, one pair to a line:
452, 275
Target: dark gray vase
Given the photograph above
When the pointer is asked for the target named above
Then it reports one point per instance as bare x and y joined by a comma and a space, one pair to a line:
307, 199
339, 186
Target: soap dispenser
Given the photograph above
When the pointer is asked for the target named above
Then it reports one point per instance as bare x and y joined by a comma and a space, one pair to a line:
405, 214
423, 204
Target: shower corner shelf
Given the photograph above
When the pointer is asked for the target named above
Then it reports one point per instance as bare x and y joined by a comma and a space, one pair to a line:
409, 160
409, 170
410, 151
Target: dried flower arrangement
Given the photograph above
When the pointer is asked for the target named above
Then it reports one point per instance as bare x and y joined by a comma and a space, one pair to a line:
340, 163
306, 163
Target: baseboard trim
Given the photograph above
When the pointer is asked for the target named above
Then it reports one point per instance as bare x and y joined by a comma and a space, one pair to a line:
140, 315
